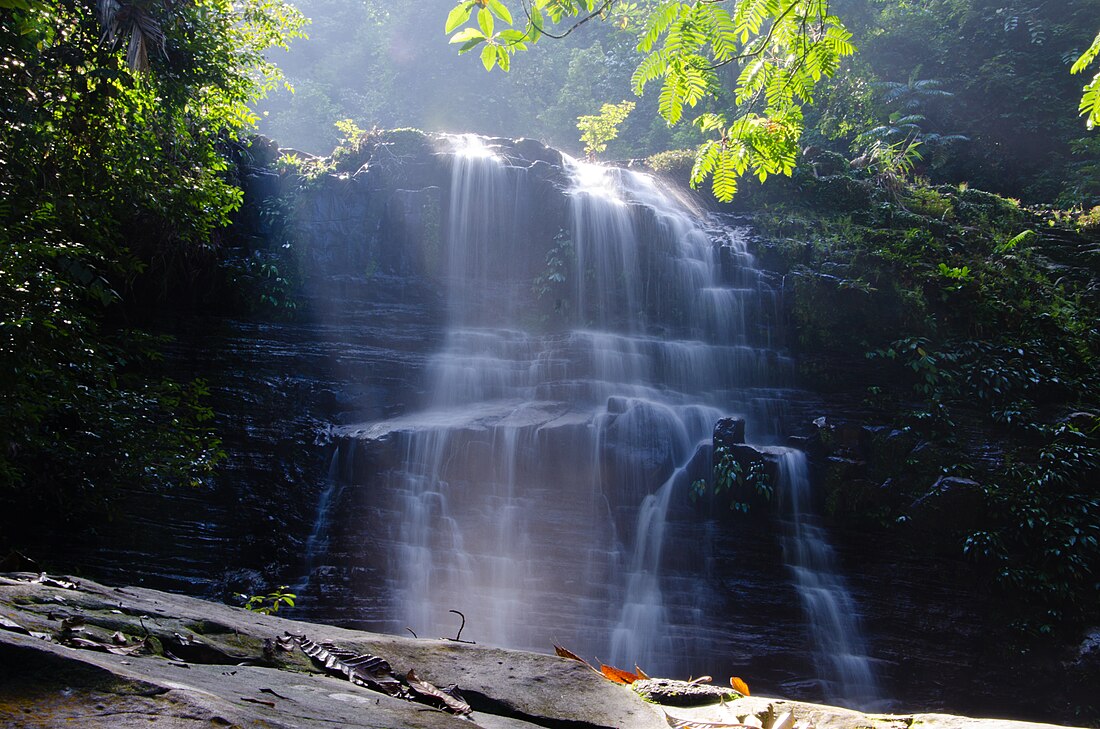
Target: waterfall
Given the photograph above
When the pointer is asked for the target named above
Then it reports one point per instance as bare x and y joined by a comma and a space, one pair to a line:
540, 487
316, 543
843, 666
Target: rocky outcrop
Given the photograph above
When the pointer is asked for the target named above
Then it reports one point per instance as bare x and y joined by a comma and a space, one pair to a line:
84, 654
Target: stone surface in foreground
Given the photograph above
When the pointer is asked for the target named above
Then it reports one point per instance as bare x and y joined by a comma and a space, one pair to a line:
215, 665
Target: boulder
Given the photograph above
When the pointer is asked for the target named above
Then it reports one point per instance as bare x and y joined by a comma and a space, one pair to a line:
83, 654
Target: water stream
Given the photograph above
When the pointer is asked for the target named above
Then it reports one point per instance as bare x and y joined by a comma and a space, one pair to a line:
534, 488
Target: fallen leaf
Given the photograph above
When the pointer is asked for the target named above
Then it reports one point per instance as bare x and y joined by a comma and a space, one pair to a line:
566, 653
739, 686
272, 692
640, 672
44, 579
451, 701
258, 701
617, 675
676, 723
363, 670
13, 626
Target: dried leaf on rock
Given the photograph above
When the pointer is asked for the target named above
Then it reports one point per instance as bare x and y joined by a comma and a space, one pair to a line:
14, 627
617, 675
44, 579
86, 644
640, 672
259, 701
739, 686
566, 653
451, 700
677, 723
364, 670
273, 693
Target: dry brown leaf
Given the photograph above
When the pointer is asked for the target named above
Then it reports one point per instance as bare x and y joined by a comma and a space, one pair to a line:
44, 579
739, 686
617, 675
450, 699
640, 672
6, 624
566, 653
259, 701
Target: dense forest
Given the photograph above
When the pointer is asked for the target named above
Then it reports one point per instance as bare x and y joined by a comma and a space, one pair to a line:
933, 214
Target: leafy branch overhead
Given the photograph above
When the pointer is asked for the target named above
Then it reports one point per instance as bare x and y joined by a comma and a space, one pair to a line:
780, 48
1090, 94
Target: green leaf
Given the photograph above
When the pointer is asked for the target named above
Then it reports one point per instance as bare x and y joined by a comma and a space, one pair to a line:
536, 22
485, 20
458, 15
471, 44
500, 11
489, 57
467, 34
1087, 57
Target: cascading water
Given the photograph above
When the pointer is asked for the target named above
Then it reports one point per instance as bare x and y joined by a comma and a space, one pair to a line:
534, 489
840, 652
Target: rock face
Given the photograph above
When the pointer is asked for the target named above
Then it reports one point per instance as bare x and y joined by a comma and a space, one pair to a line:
83, 654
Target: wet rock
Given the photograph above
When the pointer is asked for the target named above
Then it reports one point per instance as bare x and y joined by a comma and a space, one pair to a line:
729, 431
682, 693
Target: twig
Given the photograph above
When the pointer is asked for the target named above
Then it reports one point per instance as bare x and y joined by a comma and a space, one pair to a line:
458, 637
412, 631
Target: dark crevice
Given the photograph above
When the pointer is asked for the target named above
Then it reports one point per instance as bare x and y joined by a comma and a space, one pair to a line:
489, 705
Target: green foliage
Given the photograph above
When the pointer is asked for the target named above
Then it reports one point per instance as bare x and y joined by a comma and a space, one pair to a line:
114, 184
1090, 95
969, 325
671, 161
786, 49
737, 482
599, 129
1042, 541
270, 603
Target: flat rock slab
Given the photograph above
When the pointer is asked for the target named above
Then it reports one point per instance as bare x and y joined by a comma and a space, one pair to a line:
183, 663
45, 684
833, 717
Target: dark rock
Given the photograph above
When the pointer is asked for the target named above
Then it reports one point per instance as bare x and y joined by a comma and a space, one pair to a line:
951, 505
729, 431
535, 151
1085, 422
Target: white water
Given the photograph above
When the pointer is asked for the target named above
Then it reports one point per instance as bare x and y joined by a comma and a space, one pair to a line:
840, 653
533, 491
